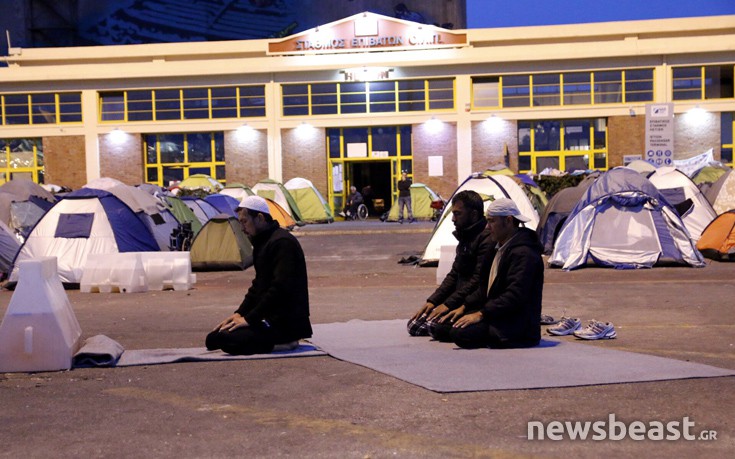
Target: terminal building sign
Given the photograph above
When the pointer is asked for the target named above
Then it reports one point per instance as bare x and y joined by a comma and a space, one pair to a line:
368, 32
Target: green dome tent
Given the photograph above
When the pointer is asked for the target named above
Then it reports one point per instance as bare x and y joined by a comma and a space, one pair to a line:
421, 198
221, 245
312, 205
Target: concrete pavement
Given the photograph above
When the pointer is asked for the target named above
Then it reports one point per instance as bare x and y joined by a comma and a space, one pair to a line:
322, 407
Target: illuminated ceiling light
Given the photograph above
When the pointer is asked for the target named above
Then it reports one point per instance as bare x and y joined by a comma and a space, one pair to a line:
117, 135
367, 73
696, 115
494, 124
434, 125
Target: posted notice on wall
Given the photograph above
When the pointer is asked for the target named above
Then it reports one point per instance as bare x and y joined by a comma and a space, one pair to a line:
357, 150
436, 166
660, 134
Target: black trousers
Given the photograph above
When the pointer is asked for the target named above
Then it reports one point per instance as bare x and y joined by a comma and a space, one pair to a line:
253, 339
477, 335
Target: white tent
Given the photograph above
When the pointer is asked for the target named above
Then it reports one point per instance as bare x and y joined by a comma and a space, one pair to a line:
679, 190
86, 221
490, 188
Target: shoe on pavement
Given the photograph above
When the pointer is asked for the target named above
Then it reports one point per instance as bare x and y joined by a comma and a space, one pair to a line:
565, 326
597, 330
547, 320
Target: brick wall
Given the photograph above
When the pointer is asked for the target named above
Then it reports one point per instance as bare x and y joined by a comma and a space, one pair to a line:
305, 155
246, 156
64, 161
439, 142
489, 142
121, 157
626, 136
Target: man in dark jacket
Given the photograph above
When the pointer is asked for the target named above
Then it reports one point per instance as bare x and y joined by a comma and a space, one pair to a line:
465, 277
404, 197
275, 311
510, 314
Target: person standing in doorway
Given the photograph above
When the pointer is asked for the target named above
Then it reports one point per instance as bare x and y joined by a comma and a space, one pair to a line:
404, 197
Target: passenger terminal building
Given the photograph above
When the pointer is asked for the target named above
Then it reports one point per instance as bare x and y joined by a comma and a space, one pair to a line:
356, 101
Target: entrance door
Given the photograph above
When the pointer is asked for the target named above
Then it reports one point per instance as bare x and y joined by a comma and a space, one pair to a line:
373, 180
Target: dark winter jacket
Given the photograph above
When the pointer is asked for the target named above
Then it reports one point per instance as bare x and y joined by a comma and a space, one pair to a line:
513, 304
404, 188
279, 293
465, 276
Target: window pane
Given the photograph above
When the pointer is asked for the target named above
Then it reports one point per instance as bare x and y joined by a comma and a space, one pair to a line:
687, 83
577, 89
219, 173
295, 89
200, 170
44, 108
516, 91
600, 133
576, 163
524, 163
726, 127
546, 136
140, 106
726, 155
172, 175
150, 149
333, 139
544, 162
168, 105
224, 102
252, 101
172, 148
16, 109
70, 107
718, 82
639, 85
546, 90
113, 106
219, 146
151, 175
441, 99
21, 153
485, 92
406, 149
577, 135
200, 147
382, 86
196, 103
524, 136
608, 87
384, 139
600, 161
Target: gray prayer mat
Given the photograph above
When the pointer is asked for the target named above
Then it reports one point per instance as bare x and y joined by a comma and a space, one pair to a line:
101, 351
385, 346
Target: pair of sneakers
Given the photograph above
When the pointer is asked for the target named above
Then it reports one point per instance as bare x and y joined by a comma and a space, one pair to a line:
573, 326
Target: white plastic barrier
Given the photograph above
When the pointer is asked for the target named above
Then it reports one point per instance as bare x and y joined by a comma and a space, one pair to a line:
168, 270
137, 272
113, 272
39, 331
446, 259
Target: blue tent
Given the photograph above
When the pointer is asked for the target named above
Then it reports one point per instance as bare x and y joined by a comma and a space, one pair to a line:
224, 203
623, 221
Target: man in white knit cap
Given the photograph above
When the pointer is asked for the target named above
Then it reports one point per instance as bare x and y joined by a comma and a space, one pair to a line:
274, 314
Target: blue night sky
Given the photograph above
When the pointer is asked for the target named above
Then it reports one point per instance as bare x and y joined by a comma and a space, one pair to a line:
503, 13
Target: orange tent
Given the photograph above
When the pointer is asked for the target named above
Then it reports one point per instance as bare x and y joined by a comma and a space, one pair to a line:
280, 215
718, 239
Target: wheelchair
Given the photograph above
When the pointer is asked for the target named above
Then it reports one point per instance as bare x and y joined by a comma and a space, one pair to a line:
361, 213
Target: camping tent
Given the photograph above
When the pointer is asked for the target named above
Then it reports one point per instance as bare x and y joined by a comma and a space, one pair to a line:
183, 213
86, 221
557, 211
237, 191
535, 194
640, 166
223, 203
421, 198
718, 239
201, 208
709, 174
280, 215
490, 188
200, 182
22, 204
310, 202
623, 221
275, 191
691, 205
722, 193
152, 211
221, 245
9, 246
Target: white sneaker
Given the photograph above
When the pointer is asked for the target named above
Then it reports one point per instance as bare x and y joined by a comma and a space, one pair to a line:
597, 330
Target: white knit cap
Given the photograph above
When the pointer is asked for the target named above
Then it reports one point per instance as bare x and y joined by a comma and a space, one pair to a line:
255, 203
505, 207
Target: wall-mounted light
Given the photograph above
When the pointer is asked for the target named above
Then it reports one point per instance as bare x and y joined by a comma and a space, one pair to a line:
696, 116
494, 124
631, 111
117, 135
245, 132
434, 125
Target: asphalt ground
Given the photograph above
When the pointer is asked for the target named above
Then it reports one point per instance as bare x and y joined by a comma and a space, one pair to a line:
323, 407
